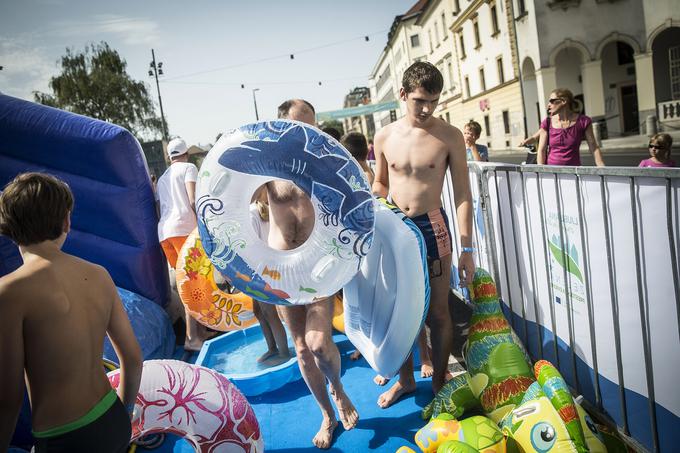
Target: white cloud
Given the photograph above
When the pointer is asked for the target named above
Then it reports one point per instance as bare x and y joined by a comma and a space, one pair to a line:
128, 30
24, 69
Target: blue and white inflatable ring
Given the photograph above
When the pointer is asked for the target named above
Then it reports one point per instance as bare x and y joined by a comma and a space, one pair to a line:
245, 158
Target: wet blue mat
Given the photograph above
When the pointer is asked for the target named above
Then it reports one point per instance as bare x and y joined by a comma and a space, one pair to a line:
289, 417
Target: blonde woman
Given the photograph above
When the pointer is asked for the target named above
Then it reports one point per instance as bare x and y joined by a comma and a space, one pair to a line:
563, 131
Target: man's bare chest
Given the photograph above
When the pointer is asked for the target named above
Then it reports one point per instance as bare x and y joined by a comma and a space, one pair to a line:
411, 156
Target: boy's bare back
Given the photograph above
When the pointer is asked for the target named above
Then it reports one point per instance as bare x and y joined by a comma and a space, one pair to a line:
58, 308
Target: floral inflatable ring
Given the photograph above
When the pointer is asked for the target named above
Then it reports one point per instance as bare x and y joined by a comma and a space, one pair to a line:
201, 296
196, 403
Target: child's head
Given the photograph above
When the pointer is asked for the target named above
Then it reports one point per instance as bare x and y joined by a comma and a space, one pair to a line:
472, 131
34, 208
422, 74
660, 146
355, 142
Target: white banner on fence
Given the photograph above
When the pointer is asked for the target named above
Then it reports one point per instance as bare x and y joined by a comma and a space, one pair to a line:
577, 267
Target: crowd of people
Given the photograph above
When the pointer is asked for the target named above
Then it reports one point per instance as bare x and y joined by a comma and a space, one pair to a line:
71, 399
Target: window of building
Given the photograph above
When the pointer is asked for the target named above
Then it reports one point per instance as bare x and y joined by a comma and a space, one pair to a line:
429, 37
448, 118
494, 19
475, 29
674, 66
443, 26
487, 125
624, 53
415, 41
456, 7
482, 79
499, 65
521, 8
462, 45
437, 32
506, 121
467, 86
449, 68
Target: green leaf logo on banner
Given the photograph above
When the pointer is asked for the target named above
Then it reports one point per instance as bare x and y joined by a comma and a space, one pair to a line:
565, 260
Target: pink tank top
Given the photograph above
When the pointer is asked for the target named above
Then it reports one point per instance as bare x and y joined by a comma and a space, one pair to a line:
564, 143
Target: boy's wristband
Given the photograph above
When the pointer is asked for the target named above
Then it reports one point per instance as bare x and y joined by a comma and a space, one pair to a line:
467, 250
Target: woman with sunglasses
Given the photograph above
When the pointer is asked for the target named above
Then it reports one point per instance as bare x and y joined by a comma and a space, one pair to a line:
660, 152
563, 131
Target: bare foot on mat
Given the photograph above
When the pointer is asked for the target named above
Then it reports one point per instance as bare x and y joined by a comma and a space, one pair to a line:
395, 392
324, 437
380, 380
346, 410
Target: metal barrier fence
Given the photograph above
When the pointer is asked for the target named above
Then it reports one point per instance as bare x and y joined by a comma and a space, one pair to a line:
586, 262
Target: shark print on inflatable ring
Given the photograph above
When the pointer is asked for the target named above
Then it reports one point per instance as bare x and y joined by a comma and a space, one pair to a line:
244, 159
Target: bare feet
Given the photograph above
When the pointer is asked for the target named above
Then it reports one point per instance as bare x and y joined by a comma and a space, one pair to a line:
277, 359
346, 410
395, 392
380, 380
325, 435
426, 369
356, 355
194, 345
267, 355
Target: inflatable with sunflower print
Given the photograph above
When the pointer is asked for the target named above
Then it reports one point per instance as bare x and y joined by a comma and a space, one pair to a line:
201, 296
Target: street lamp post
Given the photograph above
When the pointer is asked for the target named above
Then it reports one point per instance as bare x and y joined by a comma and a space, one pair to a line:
257, 117
155, 71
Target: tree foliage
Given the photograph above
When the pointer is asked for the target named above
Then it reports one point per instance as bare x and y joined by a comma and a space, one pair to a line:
95, 83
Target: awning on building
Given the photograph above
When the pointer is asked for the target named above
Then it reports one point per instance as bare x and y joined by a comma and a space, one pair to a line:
356, 111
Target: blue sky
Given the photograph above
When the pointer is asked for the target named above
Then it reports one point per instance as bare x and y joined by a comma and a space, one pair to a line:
218, 40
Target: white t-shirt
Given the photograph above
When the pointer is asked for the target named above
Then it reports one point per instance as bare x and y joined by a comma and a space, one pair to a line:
177, 217
260, 226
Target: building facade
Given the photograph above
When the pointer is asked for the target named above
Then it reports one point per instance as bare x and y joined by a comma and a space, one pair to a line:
363, 123
501, 59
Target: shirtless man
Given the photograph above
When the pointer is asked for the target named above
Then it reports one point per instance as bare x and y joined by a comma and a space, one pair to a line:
291, 220
54, 312
412, 156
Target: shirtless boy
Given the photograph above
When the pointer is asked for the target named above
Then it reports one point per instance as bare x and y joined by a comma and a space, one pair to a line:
412, 157
291, 220
54, 312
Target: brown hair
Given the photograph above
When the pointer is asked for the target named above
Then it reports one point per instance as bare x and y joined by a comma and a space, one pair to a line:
664, 140
568, 97
422, 74
33, 208
355, 142
475, 127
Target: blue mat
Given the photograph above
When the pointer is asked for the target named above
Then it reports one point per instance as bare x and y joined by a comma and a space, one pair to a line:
289, 418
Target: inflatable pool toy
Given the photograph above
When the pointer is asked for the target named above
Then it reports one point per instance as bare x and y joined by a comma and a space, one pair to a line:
245, 158
444, 433
499, 370
196, 403
385, 304
233, 355
114, 222
533, 405
201, 296
338, 314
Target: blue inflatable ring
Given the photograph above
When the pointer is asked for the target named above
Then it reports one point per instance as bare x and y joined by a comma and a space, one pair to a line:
245, 158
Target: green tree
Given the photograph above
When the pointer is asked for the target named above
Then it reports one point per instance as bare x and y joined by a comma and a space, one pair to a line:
335, 124
95, 83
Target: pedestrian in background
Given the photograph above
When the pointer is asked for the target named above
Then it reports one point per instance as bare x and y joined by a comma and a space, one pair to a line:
660, 152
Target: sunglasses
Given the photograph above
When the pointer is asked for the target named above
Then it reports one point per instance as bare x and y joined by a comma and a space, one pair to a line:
652, 145
554, 100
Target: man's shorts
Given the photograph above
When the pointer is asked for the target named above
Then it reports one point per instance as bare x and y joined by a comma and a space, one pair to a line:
435, 228
105, 428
